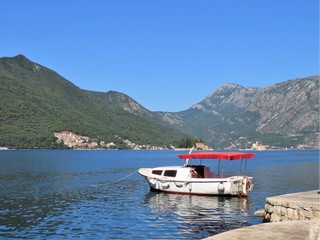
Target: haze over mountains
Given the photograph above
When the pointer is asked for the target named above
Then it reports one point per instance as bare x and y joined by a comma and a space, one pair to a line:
36, 102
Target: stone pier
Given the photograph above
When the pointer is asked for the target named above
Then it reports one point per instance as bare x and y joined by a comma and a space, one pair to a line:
290, 207
291, 216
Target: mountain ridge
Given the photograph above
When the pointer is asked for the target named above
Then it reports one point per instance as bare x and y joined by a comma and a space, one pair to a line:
283, 111
36, 102
281, 115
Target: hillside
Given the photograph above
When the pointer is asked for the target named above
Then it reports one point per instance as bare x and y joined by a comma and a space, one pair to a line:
281, 115
36, 102
38, 106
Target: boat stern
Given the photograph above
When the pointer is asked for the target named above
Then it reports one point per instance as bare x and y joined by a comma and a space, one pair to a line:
241, 185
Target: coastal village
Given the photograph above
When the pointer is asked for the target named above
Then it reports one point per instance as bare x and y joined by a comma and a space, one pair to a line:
75, 141
72, 140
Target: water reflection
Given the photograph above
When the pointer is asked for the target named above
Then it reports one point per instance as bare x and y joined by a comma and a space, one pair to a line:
200, 215
67, 194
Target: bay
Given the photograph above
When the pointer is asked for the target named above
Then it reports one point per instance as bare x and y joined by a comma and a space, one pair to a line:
99, 195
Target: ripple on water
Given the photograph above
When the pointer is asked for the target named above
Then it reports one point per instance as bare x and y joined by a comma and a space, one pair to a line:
73, 194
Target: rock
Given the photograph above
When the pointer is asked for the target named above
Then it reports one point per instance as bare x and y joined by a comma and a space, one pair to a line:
259, 213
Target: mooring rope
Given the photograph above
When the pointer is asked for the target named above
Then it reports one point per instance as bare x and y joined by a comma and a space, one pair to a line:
115, 181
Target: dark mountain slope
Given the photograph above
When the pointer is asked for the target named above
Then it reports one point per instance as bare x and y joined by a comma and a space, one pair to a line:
36, 101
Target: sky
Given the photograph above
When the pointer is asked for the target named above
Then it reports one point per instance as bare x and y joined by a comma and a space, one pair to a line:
165, 54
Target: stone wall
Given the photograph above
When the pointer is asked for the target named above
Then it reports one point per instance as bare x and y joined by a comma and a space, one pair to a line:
290, 207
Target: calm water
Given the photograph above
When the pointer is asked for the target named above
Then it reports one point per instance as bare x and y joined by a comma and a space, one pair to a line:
75, 194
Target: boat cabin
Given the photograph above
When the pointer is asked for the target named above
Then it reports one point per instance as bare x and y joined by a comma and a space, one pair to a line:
191, 171
201, 171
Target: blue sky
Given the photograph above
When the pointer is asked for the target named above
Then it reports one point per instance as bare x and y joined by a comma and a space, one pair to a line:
168, 54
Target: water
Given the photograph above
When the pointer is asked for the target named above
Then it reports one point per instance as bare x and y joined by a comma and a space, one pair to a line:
75, 194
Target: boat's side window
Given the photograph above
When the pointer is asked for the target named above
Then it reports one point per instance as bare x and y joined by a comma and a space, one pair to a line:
157, 172
170, 173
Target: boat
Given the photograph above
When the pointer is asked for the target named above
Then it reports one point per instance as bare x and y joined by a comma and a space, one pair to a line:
197, 179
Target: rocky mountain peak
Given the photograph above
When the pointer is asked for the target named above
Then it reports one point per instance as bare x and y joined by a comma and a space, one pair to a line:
287, 112
227, 94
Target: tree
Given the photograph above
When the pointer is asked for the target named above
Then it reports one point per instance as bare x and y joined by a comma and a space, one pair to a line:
187, 142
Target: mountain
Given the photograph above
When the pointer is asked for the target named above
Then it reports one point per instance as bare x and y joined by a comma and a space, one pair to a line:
281, 115
36, 102
37, 105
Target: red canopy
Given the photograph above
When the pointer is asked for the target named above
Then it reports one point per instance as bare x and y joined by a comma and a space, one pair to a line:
217, 155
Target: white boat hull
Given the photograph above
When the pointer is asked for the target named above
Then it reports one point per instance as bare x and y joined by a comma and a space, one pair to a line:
235, 185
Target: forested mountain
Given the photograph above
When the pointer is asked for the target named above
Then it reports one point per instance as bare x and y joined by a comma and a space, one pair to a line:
36, 102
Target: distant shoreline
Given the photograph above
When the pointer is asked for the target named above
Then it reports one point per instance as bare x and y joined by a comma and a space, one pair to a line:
175, 149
